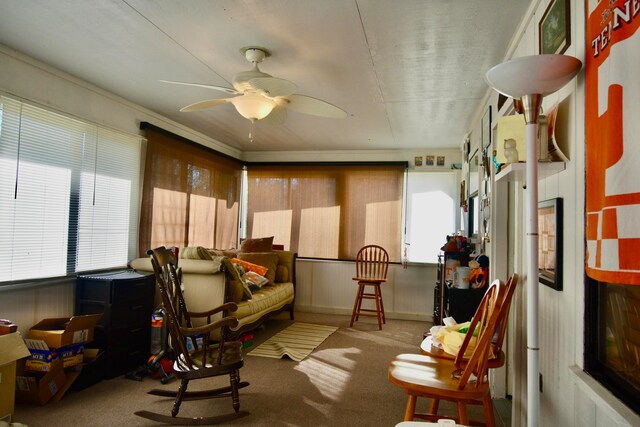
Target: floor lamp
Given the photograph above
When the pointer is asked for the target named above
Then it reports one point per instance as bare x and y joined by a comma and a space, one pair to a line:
529, 79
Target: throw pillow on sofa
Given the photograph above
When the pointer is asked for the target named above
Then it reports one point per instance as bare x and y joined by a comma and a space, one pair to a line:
231, 253
248, 266
194, 252
282, 274
254, 281
265, 259
246, 285
237, 289
263, 244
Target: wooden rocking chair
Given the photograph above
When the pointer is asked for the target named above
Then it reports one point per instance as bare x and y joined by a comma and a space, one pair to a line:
195, 356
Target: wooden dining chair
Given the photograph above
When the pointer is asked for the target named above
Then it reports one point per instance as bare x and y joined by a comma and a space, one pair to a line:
428, 348
497, 356
196, 356
372, 263
442, 379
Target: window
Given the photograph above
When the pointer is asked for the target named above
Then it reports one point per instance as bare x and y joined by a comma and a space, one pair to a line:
67, 190
431, 214
191, 194
327, 210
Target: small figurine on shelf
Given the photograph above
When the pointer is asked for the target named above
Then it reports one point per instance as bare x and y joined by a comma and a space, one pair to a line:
510, 150
479, 271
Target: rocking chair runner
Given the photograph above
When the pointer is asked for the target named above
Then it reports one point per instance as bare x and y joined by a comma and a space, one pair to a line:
195, 359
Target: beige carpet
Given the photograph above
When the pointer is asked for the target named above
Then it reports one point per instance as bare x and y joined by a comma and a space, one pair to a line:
343, 382
297, 341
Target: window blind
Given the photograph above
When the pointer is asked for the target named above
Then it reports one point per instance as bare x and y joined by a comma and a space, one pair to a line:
327, 210
191, 195
56, 173
108, 217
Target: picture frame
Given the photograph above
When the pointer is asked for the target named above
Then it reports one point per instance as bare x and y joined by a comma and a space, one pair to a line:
550, 243
440, 160
429, 160
554, 29
486, 128
417, 160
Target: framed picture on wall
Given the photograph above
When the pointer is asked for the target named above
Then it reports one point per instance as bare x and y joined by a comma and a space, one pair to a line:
486, 128
554, 29
550, 243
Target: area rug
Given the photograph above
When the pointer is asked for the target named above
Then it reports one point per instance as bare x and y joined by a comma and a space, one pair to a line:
297, 341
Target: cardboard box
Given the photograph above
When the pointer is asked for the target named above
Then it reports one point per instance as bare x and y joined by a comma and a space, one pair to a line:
59, 332
12, 348
92, 369
42, 356
7, 327
32, 387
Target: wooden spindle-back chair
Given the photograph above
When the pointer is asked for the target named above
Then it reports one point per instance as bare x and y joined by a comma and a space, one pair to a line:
429, 349
442, 379
372, 263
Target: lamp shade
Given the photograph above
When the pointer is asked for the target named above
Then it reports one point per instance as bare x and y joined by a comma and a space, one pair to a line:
253, 106
536, 74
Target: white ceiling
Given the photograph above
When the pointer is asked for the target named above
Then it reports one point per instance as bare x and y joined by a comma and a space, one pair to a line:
410, 73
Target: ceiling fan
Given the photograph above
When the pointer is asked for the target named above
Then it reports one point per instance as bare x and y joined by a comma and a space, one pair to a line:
259, 96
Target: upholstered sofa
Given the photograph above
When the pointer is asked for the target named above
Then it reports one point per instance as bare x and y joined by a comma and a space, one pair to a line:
209, 283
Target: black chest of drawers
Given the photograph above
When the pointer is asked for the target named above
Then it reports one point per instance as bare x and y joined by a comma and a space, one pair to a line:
124, 332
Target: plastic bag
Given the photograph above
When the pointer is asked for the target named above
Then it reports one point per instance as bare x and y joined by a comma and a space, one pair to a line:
451, 338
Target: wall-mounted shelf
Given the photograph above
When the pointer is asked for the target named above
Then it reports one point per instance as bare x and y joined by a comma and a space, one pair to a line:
516, 171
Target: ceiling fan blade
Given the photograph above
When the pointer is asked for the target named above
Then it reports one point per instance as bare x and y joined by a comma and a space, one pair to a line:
273, 86
220, 88
203, 105
316, 107
277, 116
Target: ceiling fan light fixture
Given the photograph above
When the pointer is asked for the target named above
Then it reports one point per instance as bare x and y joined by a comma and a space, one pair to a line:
252, 106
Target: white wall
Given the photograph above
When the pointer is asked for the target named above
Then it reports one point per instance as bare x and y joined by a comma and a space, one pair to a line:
327, 287
569, 396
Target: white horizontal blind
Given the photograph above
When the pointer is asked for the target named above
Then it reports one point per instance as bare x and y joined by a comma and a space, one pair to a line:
49, 168
108, 220
431, 213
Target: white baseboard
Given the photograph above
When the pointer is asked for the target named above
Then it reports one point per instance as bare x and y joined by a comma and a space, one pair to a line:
347, 312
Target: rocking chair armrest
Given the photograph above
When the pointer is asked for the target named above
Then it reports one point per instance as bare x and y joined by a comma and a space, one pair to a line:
229, 322
229, 306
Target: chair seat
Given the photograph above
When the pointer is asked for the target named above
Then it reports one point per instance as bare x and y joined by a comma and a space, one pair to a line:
231, 360
371, 280
429, 376
427, 348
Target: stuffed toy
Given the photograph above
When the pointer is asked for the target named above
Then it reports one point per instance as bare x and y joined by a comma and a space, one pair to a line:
479, 271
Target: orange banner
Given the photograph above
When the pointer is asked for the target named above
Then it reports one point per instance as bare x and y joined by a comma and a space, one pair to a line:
613, 141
